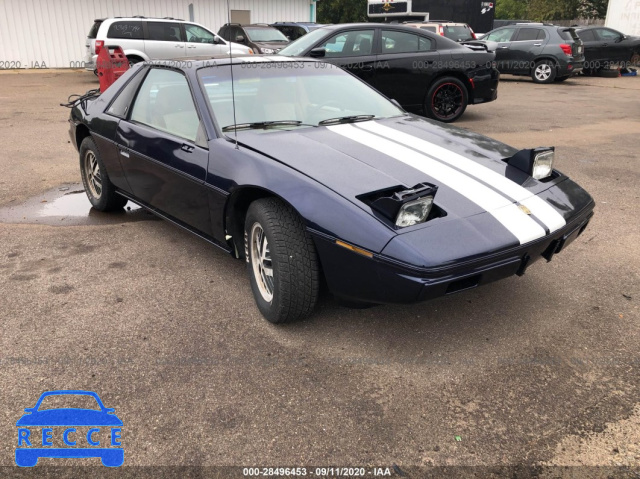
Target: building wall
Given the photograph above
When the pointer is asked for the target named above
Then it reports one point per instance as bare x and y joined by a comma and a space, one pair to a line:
53, 32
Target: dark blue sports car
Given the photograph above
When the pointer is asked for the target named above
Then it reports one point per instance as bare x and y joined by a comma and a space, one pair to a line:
310, 175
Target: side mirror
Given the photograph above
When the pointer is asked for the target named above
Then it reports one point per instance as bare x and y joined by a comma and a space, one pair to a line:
240, 39
318, 53
217, 40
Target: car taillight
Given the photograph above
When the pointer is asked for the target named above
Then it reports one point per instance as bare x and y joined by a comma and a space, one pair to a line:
473, 34
566, 49
99, 45
441, 30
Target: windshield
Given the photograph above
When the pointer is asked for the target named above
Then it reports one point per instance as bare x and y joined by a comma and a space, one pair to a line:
265, 35
303, 43
458, 33
304, 93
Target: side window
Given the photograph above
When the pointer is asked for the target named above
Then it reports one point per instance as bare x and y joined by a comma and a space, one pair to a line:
224, 33
196, 34
298, 32
349, 44
528, 34
401, 42
608, 35
237, 32
164, 102
165, 32
120, 106
287, 32
127, 30
502, 35
587, 36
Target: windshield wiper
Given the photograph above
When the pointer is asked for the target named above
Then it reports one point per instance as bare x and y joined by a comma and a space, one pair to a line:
262, 125
346, 119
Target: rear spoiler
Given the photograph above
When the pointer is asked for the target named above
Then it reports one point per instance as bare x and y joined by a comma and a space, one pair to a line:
480, 45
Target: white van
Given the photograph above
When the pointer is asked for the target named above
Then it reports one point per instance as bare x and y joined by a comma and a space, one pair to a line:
144, 39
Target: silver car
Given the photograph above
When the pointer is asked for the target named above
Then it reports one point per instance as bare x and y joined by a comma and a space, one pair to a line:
144, 39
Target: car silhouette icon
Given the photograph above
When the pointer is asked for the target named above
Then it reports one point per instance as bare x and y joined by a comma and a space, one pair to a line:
69, 418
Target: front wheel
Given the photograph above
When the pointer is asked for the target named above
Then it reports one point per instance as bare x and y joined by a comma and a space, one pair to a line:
544, 72
446, 100
281, 261
100, 191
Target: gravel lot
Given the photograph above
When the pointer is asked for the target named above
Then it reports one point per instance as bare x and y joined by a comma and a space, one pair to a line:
538, 370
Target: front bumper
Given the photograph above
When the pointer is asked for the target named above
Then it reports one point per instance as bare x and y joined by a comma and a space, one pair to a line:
384, 280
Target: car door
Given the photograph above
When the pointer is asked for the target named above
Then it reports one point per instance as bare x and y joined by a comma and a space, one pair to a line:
164, 40
202, 42
352, 50
163, 149
527, 45
611, 46
405, 66
591, 47
504, 59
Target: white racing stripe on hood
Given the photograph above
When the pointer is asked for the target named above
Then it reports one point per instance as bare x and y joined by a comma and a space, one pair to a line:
538, 207
507, 213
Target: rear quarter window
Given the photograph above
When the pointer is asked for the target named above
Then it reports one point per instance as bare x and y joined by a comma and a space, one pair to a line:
126, 30
93, 33
568, 34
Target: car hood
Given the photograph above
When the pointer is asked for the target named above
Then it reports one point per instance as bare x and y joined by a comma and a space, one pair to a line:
355, 159
69, 417
274, 46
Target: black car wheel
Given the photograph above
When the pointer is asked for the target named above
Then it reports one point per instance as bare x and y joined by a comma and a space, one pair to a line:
544, 72
100, 191
281, 260
446, 100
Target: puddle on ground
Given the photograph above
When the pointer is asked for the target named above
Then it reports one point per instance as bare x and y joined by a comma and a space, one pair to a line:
68, 205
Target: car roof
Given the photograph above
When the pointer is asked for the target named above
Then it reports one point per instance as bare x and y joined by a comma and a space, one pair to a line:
220, 60
140, 18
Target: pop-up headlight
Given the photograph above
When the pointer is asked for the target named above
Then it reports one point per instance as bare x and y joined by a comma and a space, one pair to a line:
406, 207
537, 163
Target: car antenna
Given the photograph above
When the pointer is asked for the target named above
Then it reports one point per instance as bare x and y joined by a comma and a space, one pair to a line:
233, 90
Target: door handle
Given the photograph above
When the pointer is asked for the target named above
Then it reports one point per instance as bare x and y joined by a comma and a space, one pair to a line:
187, 148
504, 48
124, 153
537, 44
191, 46
179, 46
605, 44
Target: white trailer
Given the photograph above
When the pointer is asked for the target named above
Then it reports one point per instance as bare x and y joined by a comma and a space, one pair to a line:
624, 16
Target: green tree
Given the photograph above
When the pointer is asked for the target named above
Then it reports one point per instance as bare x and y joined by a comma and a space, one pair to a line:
342, 11
512, 9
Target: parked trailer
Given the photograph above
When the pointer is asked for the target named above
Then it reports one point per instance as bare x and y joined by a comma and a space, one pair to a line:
624, 16
478, 14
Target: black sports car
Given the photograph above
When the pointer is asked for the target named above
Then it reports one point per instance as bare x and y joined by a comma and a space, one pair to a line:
310, 175
605, 47
423, 71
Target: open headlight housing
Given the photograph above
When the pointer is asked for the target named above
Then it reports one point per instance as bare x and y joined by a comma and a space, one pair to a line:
414, 212
403, 206
537, 163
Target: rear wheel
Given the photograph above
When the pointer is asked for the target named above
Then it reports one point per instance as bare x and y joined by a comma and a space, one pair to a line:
281, 261
100, 191
446, 100
544, 72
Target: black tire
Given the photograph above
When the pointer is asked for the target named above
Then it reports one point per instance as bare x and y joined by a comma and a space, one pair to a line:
100, 191
609, 74
446, 100
544, 71
561, 79
295, 278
